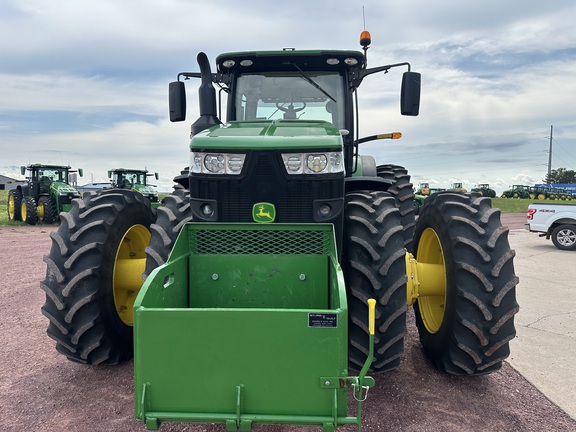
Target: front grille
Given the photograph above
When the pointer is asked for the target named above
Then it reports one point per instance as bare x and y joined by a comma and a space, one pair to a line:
265, 181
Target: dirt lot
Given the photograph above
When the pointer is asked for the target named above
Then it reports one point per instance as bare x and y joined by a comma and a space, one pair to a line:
41, 391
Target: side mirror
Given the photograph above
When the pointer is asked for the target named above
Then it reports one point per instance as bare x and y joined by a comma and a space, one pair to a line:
156, 175
109, 174
410, 94
81, 172
177, 101
23, 170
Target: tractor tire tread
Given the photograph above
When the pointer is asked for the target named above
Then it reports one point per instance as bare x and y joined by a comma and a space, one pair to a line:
479, 260
374, 267
170, 218
402, 190
78, 266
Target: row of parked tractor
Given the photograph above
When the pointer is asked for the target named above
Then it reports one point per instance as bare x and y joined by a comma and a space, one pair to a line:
516, 191
424, 189
539, 192
50, 189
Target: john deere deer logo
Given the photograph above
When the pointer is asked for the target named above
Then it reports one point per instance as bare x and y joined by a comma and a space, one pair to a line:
263, 212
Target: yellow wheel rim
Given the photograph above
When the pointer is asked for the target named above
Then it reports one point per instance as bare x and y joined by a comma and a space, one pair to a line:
40, 211
24, 211
432, 275
129, 265
11, 207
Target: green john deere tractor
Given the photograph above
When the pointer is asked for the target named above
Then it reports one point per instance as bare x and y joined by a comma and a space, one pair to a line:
136, 180
46, 194
517, 191
484, 190
457, 187
285, 261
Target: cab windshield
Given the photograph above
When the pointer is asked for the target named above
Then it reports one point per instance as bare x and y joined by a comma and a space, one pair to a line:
59, 175
290, 96
128, 179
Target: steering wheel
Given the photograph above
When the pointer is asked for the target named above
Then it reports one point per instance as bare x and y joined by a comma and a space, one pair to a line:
289, 111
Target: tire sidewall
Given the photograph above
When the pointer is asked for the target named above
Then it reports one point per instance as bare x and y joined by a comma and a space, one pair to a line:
48, 205
132, 214
31, 214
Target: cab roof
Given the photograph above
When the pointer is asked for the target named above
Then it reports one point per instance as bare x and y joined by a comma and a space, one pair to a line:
286, 59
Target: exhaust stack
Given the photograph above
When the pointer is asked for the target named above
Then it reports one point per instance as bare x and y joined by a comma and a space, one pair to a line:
207, 98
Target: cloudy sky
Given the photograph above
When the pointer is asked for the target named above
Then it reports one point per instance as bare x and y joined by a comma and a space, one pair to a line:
85, 82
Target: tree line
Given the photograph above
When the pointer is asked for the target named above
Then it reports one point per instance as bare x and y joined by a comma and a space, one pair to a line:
560, 175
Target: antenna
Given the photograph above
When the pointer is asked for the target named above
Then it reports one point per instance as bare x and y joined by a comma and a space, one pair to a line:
363, 17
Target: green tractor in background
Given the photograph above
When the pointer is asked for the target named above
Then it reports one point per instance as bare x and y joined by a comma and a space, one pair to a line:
285, 260
517, 191
484, 190
423, 189
538, 192
48, 192
136, 180
457, 187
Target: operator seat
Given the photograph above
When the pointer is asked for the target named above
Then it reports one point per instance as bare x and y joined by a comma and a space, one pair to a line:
45, 184
290, 113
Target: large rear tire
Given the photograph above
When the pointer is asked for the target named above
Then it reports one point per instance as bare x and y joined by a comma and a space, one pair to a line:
94, 273
466, 325
28, 210
374, 267
14, 203
46, 210
169, 221
403, 191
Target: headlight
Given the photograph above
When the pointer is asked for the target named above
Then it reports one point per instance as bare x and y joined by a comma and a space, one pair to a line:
217, 163
313, 163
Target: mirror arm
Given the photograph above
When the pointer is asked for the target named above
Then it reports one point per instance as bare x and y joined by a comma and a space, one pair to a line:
356, 77
217, 78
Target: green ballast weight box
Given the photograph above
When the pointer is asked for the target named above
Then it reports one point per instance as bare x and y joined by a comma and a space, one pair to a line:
246, 324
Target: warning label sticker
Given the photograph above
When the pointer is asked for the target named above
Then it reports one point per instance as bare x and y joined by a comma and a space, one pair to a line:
323, 320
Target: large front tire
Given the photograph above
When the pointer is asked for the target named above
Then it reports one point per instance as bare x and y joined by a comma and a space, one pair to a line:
467, 321
170, 218
374, 267
94, 273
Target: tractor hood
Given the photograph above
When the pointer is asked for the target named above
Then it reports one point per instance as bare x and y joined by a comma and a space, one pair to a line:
145, 190
269, 135
62, 188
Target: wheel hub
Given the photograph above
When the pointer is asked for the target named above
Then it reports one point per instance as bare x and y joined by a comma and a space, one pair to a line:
566, 237
129, 265
427, 280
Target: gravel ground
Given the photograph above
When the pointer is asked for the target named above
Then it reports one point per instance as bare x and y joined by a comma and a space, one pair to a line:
42, 391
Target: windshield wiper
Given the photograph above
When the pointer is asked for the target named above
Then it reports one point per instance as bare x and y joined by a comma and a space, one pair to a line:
311, 81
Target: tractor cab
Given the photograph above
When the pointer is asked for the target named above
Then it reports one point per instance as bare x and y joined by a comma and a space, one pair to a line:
137, 180
40, 177
291, 85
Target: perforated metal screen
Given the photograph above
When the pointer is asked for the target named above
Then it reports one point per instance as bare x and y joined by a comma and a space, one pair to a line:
260, 242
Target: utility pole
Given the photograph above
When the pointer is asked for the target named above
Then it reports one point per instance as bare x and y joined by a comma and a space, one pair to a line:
550, 154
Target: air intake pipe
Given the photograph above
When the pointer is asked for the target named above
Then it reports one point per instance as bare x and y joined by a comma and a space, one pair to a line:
206, 97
